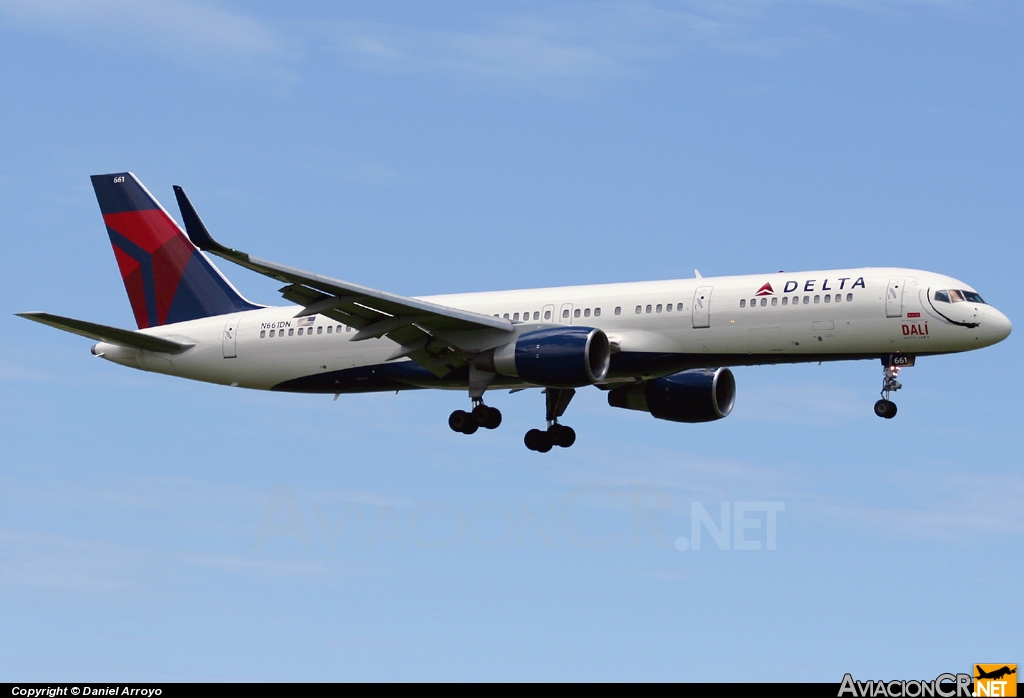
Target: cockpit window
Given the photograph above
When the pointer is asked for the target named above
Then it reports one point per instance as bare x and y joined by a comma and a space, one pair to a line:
954, 296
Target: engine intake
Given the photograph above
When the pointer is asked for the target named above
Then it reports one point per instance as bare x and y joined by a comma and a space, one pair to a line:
556, 357
694, 395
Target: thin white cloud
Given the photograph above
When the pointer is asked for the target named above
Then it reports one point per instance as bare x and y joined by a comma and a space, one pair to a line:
198, 34
563, 42
572, 41
567, 41
515, 53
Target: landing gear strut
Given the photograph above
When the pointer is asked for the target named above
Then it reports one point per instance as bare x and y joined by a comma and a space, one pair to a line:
556, 434
885, 407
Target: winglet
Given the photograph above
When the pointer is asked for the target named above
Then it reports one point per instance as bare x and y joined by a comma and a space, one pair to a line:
200, 236
194, 226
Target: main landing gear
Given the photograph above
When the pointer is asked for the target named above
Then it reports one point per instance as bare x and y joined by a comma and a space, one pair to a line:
481, 416
556, 434
886, 408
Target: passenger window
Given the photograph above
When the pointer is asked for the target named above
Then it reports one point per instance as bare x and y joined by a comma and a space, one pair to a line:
348, 328
849, 297
828, 297
658, 309
648, 307
785, 300
291, 332
807, 299
320, 329
505, 316
586, 313
576, 313
515, 317
679, 307
300, 331
536, 315
775, 301
263, 333
839, 297
764, 302
597, 312
618, 310
753, 302
743, 302
668, 307
638, 310
330, 328
942, 296
817, 299
547, 314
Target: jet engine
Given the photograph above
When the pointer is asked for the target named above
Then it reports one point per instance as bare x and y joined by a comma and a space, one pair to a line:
555, 357
694, 395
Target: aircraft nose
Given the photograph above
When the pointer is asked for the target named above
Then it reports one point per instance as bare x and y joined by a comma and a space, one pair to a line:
996, 325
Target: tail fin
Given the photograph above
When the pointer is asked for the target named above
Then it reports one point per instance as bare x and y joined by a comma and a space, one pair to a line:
168, 280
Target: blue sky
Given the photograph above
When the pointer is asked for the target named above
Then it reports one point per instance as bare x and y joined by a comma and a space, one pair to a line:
153, 529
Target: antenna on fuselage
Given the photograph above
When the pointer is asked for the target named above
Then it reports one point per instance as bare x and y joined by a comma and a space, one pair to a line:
697, 275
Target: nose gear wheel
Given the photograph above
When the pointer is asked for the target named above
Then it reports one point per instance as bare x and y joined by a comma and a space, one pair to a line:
886, 408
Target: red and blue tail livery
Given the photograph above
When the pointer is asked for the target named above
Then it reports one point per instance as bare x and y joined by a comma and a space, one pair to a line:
167, 279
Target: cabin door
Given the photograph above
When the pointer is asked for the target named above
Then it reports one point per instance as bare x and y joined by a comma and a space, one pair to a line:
702, 307
229, 340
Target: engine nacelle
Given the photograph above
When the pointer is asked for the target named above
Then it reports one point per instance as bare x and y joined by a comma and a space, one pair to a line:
694, 395
556, 357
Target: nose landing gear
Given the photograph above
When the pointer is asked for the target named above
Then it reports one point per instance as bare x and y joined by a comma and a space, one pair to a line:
556, 434
886, 408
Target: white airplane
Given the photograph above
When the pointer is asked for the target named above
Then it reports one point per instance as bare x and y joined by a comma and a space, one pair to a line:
663, 347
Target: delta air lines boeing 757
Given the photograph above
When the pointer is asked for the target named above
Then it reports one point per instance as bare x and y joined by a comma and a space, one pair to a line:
662, 347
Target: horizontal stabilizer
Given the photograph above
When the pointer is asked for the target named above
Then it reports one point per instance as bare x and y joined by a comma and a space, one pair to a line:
104, 333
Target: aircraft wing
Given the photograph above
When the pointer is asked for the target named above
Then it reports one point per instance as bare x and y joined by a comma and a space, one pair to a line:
426, 332
104, 333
